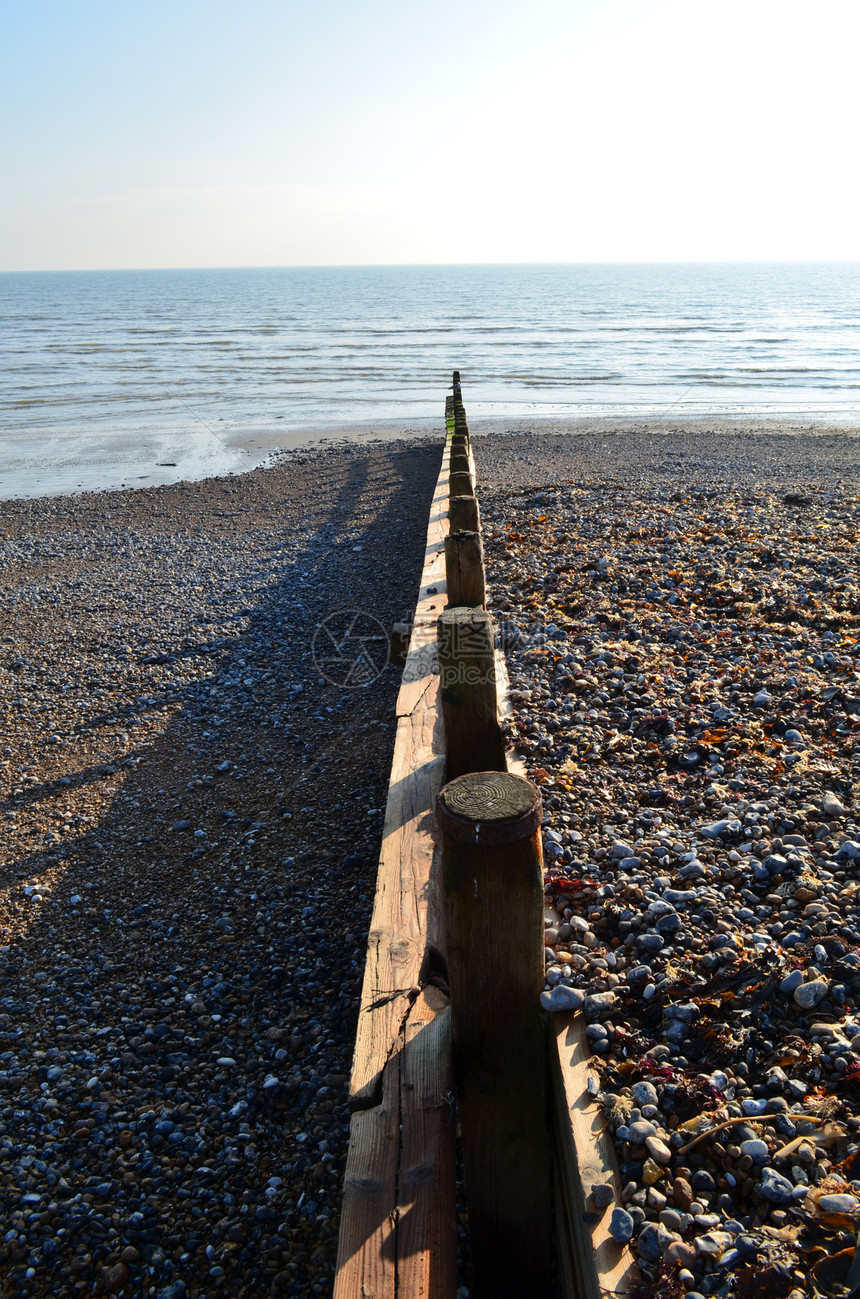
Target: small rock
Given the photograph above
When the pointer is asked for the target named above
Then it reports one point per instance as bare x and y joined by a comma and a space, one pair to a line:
682, 1193
658, 1150
831, 807
792, 981
599, 1003
755, 1148
603, 1193
621, 1226
839, 1204
654, 1240
682, 1254
640, 1131
114, 1278
775, 1188
644, 1093
808, 995
562, 998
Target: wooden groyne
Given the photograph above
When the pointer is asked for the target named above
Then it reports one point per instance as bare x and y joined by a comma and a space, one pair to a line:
458, 913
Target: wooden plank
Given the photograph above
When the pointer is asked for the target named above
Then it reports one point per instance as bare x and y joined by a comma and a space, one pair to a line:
585, 1156
426, 1228
397, 1229
398, 927
366, 1259
420, 669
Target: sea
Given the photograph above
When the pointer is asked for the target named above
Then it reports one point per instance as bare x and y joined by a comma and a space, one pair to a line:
123, 378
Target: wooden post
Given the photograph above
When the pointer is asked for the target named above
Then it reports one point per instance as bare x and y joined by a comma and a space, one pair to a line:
467, 689
493, 885
459, 463
464, 568
463, 514
460, 484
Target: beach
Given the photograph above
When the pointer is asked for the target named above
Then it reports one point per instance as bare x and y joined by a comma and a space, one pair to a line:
193, 814
191, 826
681, 619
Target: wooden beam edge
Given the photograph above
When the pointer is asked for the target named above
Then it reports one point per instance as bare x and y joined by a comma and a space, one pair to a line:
405, 1036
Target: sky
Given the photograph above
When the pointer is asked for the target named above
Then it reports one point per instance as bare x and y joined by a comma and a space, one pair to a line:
289, 132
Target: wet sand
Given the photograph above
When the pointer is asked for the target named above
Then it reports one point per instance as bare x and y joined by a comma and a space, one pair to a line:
105, 462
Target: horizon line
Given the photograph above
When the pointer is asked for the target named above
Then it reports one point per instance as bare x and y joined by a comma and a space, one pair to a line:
330, 266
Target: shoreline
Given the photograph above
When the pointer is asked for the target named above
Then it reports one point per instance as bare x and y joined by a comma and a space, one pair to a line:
107, 465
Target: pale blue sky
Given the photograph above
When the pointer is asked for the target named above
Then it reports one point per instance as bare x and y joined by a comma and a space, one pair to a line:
263, 133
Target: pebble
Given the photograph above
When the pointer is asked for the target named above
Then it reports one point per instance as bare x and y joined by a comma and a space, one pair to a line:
562, 998
658, 1150
791, 982
755, 1149
838, 1204
775, 1188
653, 1241
831, 807
621, 1226
644, 1093
809, 995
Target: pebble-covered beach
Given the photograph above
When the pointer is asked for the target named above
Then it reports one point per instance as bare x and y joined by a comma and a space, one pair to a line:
681, 617
191, 824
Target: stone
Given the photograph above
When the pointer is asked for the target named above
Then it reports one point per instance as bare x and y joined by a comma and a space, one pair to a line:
599, 1003
652, 1173
115, 1277
562, 997
682, 1254
621, 1226
839, 1204
682, 1193
808, 995
729, 826
644, 1093
658, 1150
831, 806
775, 1188
603, 1193
755, 1148
792, 981
654, 1240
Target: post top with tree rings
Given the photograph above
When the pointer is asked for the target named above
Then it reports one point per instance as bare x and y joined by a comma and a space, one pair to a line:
489, 807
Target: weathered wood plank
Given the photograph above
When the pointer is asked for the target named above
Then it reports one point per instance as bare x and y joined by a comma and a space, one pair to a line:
397, 1225
426, 1228
585, 1156
366, 1258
